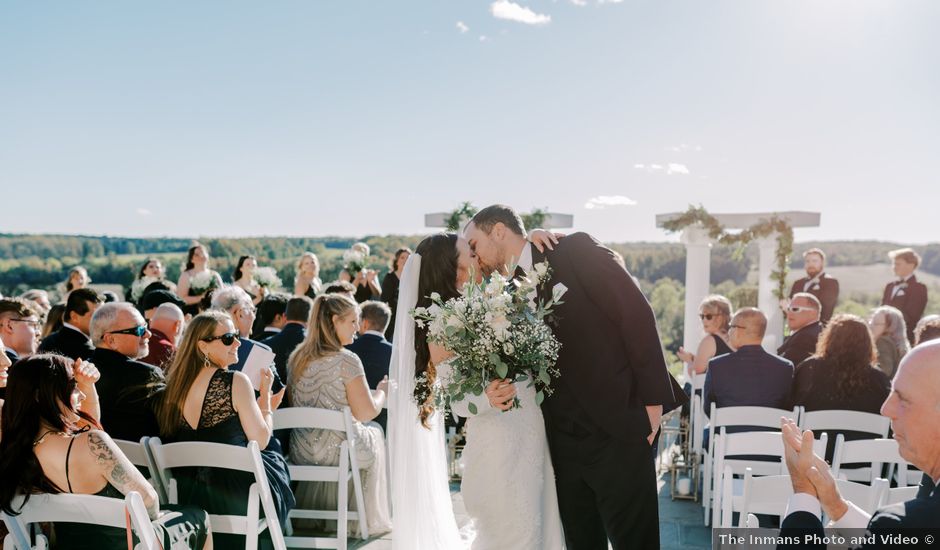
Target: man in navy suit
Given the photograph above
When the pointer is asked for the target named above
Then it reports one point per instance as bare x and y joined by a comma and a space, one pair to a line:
292, 333
906, 293
373, 349
72, 339
915, 421
749, 376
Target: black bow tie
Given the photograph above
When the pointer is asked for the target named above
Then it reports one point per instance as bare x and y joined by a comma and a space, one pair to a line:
519, 273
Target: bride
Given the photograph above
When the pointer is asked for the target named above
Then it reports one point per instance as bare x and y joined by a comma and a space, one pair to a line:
508, 484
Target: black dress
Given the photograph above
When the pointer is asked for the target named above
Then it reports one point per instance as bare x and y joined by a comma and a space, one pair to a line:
221, 491
390, 284
721, 348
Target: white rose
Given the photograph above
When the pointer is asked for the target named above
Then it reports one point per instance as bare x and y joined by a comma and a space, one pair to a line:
508, 348
435, 296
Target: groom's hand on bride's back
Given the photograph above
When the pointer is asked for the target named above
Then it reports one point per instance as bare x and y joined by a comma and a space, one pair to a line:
500, 394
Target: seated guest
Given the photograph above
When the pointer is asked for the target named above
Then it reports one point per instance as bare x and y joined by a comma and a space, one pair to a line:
324, 375
890, 335
153, 299
206, 401
373, 349
906, 293
842, 374
19, 327
927, 329
307, 281
72, 339
40, 298
715, 312
749, 376
166, 325
243, 278
78, 278
340, 287
915, 420
271, 318
127, 387
824, 287
390, 284
284, 342
52, 443
803, 320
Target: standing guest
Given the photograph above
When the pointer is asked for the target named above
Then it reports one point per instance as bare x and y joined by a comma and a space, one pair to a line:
151, 273
749, 376
155, 298
307, 281
927, 329
19, 327
53, 320
197, 269
906, 293
818, 283
206, 401
842, 374
72, 339
715, 313
40, 298
373, 349
244, 278
390, 285
326, 376
78, 278
166, 327
890, 335
53, 443
365, 280
127, 387
341, 287
803, 318
288, 338
271, 316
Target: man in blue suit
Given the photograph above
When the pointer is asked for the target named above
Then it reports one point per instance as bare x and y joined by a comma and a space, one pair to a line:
373, 349
915, 421
749, 376
291, 335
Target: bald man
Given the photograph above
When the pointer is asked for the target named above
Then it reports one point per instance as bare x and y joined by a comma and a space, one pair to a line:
914, 409
166, 325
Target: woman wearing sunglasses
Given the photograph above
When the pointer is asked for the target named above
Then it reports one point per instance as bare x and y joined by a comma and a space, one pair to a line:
205, 401
715, 313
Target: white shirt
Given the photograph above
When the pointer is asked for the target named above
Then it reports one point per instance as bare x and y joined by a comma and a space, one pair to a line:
272, 329
375, 332
525, 257
76, 329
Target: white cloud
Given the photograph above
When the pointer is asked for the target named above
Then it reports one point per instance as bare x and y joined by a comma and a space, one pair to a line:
684, 148
677, 169
579, 2
670, 169
609, 1
462, 27
144, 212
603, 201
482, 38
504, 9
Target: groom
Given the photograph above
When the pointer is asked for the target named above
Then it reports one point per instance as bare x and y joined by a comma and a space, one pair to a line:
602, 417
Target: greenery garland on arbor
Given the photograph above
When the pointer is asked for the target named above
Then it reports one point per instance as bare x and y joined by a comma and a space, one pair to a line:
698, 215
466, 210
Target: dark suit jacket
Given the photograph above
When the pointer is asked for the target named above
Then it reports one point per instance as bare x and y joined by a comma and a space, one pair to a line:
128, 392
68, 342
911, 300
921, 513
749, 377
244, 350
611, 358
801, 344
283, 344
827, 291
375, 352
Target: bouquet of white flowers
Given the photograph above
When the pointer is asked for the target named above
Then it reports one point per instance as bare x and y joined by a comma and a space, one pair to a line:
202, 282
354, 261
495, 332
266, 277
138, 286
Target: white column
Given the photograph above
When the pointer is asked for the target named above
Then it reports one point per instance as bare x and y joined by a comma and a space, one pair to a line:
767, 301
697, 282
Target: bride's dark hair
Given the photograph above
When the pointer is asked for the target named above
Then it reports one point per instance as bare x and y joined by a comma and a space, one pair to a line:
438, 274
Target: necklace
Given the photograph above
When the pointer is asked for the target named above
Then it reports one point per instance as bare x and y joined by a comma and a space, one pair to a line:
46, 433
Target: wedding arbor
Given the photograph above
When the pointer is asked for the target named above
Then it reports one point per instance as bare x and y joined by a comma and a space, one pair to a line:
698, 240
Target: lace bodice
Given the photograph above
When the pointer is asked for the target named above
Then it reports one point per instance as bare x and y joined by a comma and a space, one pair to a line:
217, 404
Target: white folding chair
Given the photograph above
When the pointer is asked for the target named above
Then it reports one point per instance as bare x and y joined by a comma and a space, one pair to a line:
762, 417
766, 495
841, 421
72, 508
874, 452
897, 495
697, 418
342, 474
139, 455
231, 457
866, 497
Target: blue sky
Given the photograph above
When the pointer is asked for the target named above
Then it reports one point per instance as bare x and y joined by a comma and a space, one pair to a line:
234, 118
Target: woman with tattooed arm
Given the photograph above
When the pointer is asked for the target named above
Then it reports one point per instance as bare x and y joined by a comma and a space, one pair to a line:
53, 443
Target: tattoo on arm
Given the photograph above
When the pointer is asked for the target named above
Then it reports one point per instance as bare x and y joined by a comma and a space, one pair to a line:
120, 472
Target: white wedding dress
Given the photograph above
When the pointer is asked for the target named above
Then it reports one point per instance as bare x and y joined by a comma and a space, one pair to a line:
508, 482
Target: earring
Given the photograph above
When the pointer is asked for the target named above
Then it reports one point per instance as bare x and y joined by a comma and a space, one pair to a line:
205, 361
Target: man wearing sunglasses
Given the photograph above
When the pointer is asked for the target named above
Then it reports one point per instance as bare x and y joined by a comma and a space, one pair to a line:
127, 387
803, 318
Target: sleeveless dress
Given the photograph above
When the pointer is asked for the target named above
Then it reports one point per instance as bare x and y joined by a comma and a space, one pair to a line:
721, 348
508, 484
180, 527
323, 385
220, 491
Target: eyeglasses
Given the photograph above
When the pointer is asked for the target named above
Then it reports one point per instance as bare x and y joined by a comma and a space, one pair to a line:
227, 339
36, 325
797, 309
707, 316
136, 331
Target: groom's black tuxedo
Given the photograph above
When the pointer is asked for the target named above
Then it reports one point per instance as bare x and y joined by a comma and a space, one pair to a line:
612, 366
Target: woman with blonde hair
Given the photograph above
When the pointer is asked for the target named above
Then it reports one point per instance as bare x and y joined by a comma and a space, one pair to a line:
324, 374
307, 281
889, 331
205, 401
715, 312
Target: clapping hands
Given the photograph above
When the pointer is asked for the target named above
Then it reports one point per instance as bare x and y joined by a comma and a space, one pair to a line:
809, 473
85, 373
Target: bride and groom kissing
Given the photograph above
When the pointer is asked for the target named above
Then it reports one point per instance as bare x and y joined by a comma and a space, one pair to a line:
576, 472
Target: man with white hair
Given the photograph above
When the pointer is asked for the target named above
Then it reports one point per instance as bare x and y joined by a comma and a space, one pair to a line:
166, 325
914, 409
127, 387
